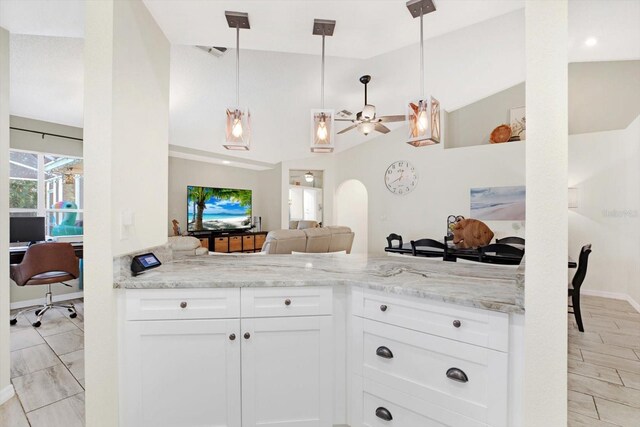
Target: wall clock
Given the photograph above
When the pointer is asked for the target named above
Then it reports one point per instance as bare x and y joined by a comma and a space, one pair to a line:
400, 177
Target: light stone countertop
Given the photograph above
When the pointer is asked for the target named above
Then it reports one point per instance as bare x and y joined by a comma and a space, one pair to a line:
468, 284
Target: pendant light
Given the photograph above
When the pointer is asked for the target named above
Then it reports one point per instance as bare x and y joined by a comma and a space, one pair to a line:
238, 128
308, 176
322, 119
423, 115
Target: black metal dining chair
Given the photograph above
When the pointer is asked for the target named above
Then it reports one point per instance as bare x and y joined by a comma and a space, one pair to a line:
499, 249
429, 243
394, 237
576, 284
512, 240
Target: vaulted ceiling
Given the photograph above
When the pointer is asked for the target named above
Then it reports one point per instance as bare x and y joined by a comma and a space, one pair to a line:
474, 48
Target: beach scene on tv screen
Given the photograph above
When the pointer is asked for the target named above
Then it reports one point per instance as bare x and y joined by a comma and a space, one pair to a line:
218, 208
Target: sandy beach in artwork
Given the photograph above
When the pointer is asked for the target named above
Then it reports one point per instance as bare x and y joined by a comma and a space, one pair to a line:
508, 211
227, 223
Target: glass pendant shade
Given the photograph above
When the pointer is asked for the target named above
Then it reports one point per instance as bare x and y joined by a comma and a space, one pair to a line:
238, 129
322, 131
424, 122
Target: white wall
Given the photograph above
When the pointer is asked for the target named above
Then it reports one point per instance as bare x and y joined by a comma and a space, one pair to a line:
352, 204
605, 167
265, 186
126, 164
444, 179
6, 389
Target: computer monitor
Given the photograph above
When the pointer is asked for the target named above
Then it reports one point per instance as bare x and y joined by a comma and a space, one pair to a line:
26, 229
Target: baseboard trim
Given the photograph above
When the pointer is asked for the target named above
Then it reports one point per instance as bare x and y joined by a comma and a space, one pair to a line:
40, 301
6, 393
612, 295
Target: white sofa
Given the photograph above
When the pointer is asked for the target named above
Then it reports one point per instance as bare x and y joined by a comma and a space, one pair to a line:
183, 246
310, 240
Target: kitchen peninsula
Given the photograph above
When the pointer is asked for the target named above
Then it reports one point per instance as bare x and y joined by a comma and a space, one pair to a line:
320, 340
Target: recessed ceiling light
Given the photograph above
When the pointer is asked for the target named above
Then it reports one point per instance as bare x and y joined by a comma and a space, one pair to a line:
226, 162
591, 41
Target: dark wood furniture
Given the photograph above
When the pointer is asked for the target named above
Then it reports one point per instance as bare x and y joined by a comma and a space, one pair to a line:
576, 284
495, 253
233, 241
511, 240
428, 243
16, 253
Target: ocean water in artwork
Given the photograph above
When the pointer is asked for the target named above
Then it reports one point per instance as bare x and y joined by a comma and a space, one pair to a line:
498, 203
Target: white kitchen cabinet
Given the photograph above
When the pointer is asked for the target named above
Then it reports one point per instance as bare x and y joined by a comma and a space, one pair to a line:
182, 373
287, 372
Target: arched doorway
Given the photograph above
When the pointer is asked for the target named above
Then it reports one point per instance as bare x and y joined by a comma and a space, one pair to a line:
352, 210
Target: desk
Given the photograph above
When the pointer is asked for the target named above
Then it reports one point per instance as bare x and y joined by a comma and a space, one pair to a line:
16, 253
468, 254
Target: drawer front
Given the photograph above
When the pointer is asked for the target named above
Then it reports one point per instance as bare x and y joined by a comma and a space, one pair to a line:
278, 302
456, 376
235, 243
221, 244
247, 243
260, 238
467, 324
163, 304
381, 406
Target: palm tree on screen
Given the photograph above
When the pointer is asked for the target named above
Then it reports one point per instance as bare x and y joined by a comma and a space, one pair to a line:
199, 196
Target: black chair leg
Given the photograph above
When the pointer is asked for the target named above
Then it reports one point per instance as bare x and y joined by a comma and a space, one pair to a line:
575, 298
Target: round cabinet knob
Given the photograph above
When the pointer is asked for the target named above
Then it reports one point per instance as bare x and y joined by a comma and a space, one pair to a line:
247, 335
383, 307
457, 323
287, 302
183, 304
232, 337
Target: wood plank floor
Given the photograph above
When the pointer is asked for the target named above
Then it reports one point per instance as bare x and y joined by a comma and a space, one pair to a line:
47, 369
604, 365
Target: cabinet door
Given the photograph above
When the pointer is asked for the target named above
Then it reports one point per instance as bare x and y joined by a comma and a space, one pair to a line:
182, 373
287, 372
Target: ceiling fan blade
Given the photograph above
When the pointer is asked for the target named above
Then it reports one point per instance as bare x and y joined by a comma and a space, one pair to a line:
388, 119
343, 120
382, 128
348, 129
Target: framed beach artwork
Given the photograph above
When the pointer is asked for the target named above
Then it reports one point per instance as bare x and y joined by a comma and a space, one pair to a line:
498, 203
518, 123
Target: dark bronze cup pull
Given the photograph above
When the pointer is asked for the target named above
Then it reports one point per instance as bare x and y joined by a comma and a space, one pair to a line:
383, 307
457, 375
384, 414
384, 352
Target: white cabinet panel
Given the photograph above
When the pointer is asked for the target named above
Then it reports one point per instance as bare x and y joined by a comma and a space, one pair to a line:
287, 375
182, 373
286, 301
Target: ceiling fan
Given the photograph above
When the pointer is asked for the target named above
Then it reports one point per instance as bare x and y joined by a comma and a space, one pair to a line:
366, 120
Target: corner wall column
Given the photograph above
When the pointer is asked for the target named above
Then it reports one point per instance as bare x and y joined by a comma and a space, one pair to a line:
545, 370
6, 389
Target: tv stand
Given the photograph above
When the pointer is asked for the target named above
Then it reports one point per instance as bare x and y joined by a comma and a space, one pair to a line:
232, 241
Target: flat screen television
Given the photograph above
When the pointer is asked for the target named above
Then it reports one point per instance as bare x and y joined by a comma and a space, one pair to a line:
218, 209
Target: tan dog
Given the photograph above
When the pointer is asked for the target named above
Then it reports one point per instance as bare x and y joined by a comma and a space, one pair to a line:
471, 233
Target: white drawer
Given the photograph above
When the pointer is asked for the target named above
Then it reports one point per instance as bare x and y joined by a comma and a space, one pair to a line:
287, 301
467, 324
164, 304
376, 403
425, 366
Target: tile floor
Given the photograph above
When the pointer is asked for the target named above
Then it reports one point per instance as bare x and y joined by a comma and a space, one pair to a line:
47, 371
47, 367
604, 365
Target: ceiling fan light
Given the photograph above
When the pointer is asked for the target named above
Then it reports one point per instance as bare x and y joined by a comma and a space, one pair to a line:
369, 112
424, 122
367, 127
238, 129
322, 131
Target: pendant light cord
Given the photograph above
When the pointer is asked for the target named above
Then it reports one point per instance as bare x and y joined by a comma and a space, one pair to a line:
322, 75
238, 65
421, 54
